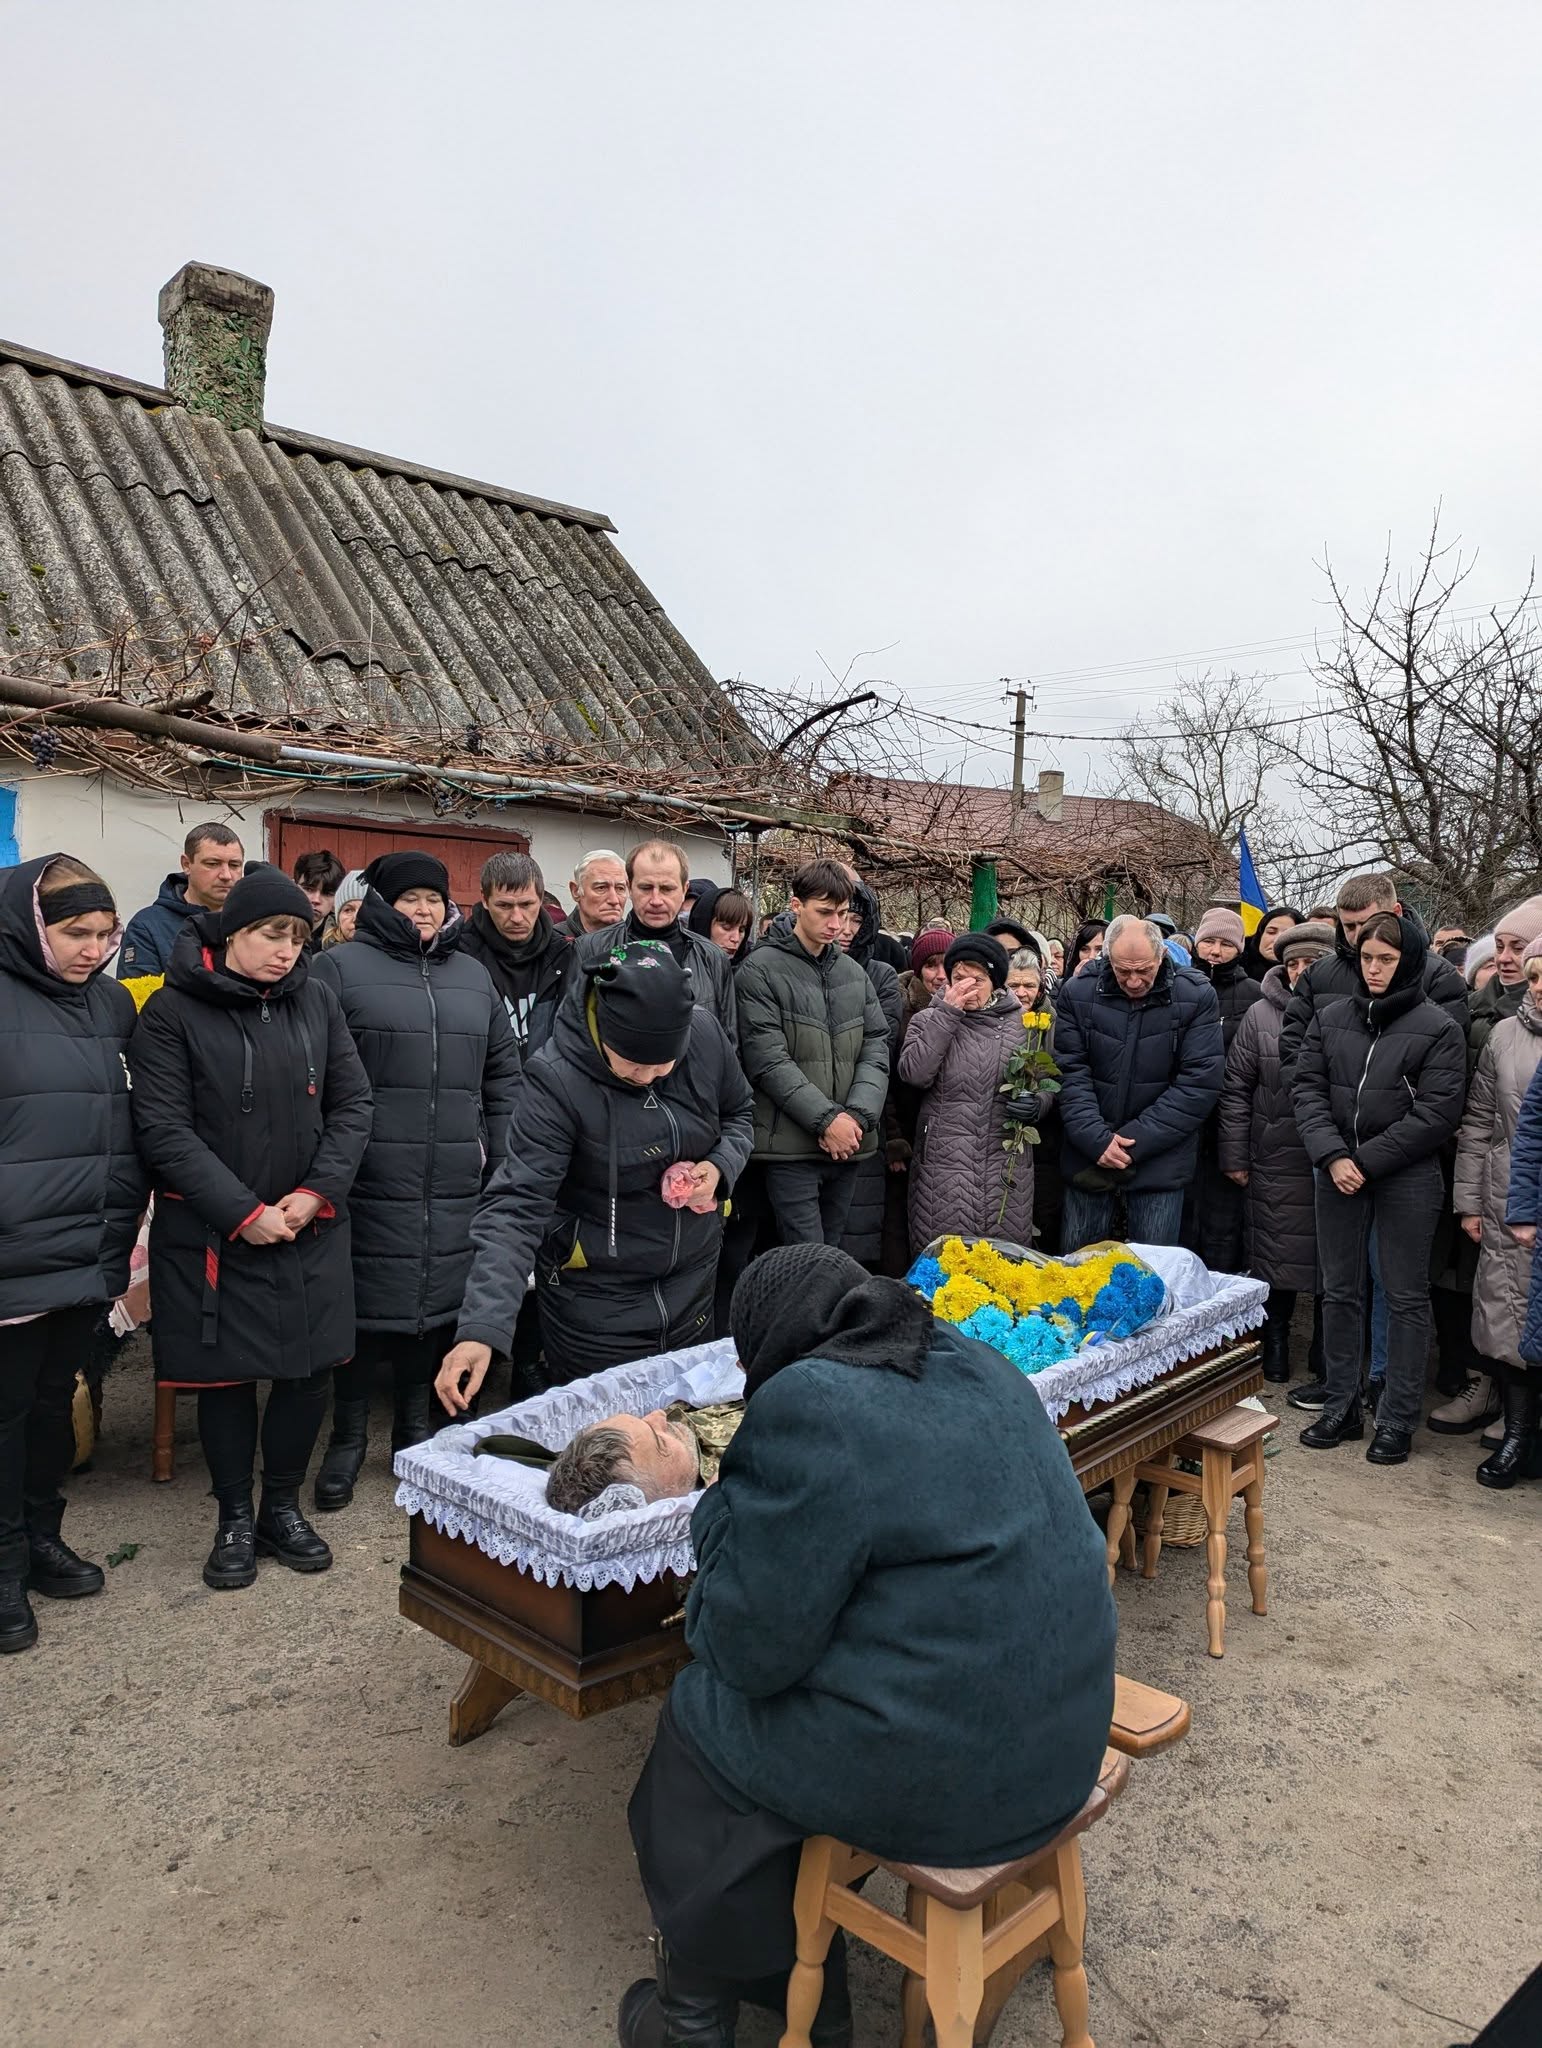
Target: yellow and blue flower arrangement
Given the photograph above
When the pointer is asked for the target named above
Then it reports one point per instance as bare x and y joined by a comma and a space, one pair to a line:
1037, 1311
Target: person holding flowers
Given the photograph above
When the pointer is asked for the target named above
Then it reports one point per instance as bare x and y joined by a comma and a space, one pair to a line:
966, 1175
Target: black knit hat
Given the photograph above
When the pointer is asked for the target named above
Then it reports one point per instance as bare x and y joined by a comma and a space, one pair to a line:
644, 1001
980, 950
255, 898
393, 874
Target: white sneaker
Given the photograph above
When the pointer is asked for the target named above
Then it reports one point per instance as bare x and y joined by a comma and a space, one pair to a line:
1475, 1404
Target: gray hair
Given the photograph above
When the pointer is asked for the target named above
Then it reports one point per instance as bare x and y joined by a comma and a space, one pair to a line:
512, 871
1126, 923
1024, 959
587, 860
596, 1458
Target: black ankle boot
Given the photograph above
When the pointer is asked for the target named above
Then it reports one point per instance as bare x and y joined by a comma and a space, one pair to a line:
1335, 1425
232, 1563
683, 2008
56, 1572
412, 1418
1520, 1451
18, 1624
1277, 1349
343, 1458
283, 1532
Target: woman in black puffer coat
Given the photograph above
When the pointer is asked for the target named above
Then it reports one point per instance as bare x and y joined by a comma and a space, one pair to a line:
435, 1040
1213, 1210
1260, 1151
251, 1110
1379, 1087
633, 1082
71, 1191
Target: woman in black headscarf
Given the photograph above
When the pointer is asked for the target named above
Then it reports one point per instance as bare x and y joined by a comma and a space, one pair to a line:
894, 1539
1258, 954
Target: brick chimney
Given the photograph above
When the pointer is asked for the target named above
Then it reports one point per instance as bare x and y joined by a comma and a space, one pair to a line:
214, 326
1051, 795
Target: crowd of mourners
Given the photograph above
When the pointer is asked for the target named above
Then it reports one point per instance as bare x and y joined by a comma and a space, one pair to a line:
361, 1134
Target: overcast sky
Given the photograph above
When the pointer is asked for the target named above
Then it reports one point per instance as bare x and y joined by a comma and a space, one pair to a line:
1013, 339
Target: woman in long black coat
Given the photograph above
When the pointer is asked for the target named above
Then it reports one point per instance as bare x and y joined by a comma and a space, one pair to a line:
71, 1190
434, 1037
252, 1111
1260, 1151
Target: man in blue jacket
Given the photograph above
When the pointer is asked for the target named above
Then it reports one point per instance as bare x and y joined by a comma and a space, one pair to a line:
901, 1634
211, 867
1138, 1041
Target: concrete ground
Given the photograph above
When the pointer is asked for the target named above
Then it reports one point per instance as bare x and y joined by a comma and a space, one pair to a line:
235, 1819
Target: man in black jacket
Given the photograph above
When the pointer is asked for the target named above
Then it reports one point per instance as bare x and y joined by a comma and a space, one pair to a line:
526, 956
1360, 898
657, 876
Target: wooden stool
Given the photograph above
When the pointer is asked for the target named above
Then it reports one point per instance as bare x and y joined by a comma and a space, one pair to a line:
967, 1935
1230, 1453
163, 1440
1146, 1720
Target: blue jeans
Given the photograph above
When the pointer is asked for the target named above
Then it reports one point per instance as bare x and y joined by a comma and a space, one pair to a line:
1152, 1216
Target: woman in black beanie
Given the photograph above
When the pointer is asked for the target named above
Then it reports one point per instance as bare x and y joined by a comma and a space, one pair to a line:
633, 1124
436, 1043
251, 1110
957, 1050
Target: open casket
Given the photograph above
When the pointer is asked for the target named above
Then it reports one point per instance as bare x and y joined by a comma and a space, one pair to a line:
587, 1615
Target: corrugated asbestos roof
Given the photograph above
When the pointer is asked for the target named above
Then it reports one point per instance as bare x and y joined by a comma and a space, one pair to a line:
379, 594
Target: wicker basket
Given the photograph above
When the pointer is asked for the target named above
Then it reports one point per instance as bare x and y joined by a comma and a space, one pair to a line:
83, 1417
1183, 1519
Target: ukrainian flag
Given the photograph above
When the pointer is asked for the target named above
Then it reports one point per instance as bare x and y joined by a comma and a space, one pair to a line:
1252, 901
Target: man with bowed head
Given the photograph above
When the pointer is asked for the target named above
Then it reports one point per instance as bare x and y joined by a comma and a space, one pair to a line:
1138, 1042
657, 875
526, 957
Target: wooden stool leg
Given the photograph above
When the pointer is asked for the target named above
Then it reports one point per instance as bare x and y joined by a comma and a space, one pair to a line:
955, 1972
1118, 1519
913, 1989
1215, 1496
805, 1987
482, 1698
164, 1440
1253, 1498
1156, 1520
1066, 1938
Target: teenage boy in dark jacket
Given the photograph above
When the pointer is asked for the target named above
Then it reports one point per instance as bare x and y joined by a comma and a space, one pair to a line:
1138, 1040
815, 1044
634, 1083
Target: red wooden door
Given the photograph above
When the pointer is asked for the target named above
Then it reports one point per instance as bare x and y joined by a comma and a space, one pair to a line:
356, 841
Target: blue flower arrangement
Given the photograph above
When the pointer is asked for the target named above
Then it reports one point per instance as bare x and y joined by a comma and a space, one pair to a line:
1050, 1332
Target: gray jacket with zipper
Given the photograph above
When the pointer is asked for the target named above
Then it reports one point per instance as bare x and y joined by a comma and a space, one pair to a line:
814, 1041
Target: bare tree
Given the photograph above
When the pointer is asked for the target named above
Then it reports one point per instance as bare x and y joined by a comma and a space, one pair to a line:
1425, 753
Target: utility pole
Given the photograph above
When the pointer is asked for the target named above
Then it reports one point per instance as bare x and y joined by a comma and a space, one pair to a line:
1021, 697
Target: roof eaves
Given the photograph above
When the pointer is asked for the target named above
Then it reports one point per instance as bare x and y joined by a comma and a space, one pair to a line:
311, 444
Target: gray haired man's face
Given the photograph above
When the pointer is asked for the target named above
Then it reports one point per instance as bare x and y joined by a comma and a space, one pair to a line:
1135, 965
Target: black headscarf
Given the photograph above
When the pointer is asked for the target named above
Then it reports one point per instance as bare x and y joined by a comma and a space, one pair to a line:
1406, 990
813, 1301
1253, 961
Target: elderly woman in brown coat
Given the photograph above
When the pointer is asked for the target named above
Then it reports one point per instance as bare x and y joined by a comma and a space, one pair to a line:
1258, 1147
957, 1050
1512, 1052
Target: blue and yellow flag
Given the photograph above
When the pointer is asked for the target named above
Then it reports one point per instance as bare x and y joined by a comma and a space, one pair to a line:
1250, 893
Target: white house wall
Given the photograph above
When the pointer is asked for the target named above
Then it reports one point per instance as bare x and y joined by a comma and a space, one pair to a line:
134, 839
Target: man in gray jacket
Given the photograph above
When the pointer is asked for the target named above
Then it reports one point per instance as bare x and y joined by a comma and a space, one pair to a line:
656, 876
815, 1045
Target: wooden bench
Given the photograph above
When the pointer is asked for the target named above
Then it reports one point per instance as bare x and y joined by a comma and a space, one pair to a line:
1230, 1454
968, 1935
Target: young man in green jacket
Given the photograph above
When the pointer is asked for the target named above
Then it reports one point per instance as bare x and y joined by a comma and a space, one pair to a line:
814, 1043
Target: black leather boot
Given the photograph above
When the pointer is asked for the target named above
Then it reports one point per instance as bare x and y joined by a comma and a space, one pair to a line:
18, 1624
232, 1563
1520, 1451
283, 1532
412, 1415
1341, 1425
54, 1570
343, 1458
1277, 1349
682, 2008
